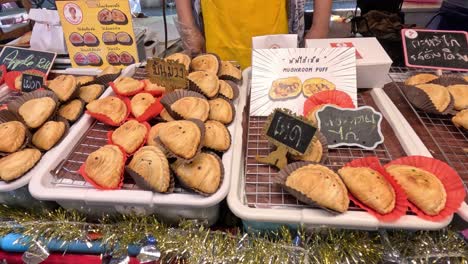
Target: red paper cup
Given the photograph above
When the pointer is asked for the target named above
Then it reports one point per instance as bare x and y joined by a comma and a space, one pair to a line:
116, 91
10, 78
109, 138
401, 201
335, 97
449, 178
82, 172
152, 92
151, 112
106, 120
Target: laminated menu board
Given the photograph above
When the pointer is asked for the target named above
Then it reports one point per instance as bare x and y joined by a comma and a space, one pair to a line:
285, 78
98, 33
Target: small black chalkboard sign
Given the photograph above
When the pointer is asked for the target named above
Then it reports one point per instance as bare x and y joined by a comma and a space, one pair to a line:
20, 59
290, 131
31, 82
351, 127
435, 49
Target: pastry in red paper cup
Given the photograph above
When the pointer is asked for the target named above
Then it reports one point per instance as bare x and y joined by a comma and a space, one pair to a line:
130, 136
182, 139
13, 80
430, 98
144, 106
150, 170
435, 190
127, 86
333, 97
72, 110
35, 108
204, 82
314, 184
373, 189
64, 86
104, 168
204, 174
110, 110
153, 88
14, 134
183, 104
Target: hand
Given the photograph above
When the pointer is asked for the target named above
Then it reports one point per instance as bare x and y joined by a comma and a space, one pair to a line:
316, 33
193, 41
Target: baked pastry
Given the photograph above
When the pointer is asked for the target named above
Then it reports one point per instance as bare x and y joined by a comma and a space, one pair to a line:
206, 62
217, 136
459, 93
153, 134
192, 107
91, 92
153, 88
183, 138
140, 103
203, 174
80, 80
17, 164
63, 86
36, 111
438, 94
461, 119
315, 153
72, 110
166, 116
285, 88
48, 135
18, 82
127, 86
370, 187
152, 166
130, 136
321, 185
229, 71
226, 90
112, 107
205, 81
109, 70
221, 110
13, 135
105, 167
423, 188
180, 58
420, 79
314, 85
311, 115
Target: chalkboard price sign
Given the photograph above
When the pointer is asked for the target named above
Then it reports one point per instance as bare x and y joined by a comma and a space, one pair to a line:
290, 131
31, 82
170, 74
436, 49
351, 127
19, 59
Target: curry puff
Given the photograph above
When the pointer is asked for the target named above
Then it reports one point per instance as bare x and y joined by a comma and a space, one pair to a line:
217, 136
104, 167
49, 134
207, 63
72, 110
107, 109
204, 82
13, 135
130, 136
127, 86
182, 138
192, 107
17, 164
64, 86
221, 110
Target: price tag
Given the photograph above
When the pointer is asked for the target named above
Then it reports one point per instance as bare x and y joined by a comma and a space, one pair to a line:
170, 74
31, 82
19, 59
290, 133
359, 127
436, 49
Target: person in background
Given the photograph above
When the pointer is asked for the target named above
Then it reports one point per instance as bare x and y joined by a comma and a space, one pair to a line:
452, 15
228, 26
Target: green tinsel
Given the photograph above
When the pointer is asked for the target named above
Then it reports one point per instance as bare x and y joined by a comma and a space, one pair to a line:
191, 242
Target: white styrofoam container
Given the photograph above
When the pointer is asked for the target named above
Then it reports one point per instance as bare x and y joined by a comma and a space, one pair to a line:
171, 207
352, 219
14, 192
373, 63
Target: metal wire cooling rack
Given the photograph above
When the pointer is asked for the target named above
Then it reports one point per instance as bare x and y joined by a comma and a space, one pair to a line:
450, 142
261, 192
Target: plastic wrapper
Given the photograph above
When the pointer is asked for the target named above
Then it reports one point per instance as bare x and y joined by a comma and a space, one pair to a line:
192, 39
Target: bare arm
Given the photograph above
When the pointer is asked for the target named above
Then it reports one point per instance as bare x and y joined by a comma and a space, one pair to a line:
320, 24
184, 12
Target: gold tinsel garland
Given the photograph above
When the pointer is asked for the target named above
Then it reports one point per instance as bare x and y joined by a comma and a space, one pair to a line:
194, 243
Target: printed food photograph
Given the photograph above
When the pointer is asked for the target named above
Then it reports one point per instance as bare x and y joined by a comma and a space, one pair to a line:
285, 88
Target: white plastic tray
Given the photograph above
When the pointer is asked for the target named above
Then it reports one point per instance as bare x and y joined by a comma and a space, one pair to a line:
237, 200
86, 197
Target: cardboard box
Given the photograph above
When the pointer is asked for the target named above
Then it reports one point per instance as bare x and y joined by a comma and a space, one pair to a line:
372, 61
